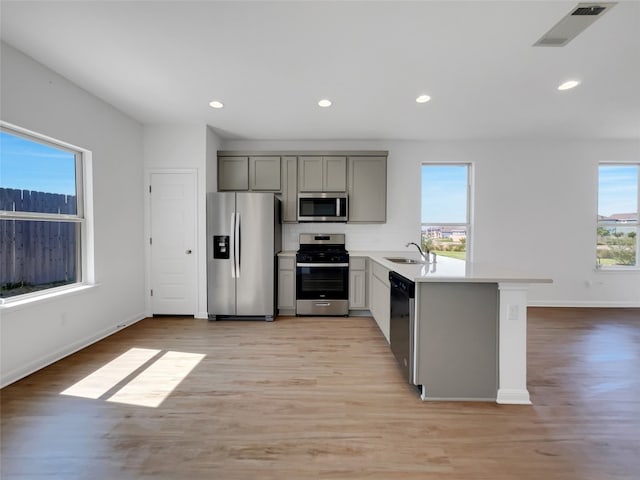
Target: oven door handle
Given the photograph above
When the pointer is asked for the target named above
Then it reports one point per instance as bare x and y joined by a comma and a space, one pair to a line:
322, 265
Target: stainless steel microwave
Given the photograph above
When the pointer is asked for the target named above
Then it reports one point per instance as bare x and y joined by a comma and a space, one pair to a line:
322, 207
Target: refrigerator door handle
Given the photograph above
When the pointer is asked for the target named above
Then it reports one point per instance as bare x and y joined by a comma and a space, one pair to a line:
238, 243
232, 247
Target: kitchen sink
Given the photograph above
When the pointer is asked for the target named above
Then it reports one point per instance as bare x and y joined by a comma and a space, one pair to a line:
409, 261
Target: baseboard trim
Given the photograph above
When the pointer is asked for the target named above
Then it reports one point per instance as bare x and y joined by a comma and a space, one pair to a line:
40, 363
586, 304
510, 396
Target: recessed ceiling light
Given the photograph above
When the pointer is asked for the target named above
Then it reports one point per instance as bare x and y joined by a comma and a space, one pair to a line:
216, 104
324, 103
569, 85
423, 99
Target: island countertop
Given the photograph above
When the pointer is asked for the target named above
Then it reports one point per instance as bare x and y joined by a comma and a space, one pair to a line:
447, 269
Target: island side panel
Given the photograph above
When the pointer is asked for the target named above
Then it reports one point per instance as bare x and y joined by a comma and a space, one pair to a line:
513, 344
457, 356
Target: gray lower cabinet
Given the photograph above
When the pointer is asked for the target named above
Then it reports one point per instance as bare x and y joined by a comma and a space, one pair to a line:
322, 173
264, 174
357, 283
457, 347
289, 189
286, 285
380, 297
367, 189
233, 173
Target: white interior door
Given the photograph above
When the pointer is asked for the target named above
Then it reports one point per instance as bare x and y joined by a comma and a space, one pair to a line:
173, 242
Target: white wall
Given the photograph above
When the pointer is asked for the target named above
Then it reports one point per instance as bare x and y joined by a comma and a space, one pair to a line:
535, 209
171, 147
34, 335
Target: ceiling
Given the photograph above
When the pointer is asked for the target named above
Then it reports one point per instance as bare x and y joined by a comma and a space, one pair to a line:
162, 62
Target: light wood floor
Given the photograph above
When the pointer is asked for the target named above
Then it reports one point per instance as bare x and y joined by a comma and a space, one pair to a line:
304, 398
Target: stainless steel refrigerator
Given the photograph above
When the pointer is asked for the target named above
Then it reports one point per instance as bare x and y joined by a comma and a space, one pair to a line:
243, 237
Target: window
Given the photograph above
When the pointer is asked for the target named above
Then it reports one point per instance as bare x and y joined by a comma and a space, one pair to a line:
41, 214
446, 229
617, 234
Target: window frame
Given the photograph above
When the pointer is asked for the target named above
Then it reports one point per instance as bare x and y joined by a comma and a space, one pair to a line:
617, 268
82, 168
469, 213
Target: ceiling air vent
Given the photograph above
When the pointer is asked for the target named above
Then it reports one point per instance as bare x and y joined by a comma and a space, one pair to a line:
568, 28
589, 10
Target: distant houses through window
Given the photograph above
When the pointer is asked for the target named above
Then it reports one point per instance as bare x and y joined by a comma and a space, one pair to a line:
446, 228
617, 224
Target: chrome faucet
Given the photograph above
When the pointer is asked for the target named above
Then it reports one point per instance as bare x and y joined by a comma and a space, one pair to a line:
424, 257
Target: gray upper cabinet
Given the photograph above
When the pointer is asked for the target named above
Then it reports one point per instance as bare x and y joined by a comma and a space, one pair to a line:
256, 173
334, 171
264, 174
360, 174
322, 173
310, 174
289, 190
233, 173
368, 189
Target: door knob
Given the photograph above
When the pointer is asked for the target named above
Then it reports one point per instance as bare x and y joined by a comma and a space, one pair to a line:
188, 252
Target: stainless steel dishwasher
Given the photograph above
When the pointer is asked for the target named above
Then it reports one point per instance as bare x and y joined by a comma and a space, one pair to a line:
402, 326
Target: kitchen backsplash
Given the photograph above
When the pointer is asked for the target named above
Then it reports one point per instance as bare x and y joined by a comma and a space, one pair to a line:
358, 237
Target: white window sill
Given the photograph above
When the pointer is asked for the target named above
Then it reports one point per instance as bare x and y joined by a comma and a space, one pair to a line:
617, 269
44, 296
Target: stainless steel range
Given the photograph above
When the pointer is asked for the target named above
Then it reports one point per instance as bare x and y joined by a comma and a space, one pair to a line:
322, 275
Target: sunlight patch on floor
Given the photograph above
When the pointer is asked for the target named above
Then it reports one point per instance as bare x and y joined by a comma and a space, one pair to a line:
105, 378
155, 383
148, 387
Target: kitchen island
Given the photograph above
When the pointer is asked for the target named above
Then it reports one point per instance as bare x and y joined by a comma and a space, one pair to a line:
470, 338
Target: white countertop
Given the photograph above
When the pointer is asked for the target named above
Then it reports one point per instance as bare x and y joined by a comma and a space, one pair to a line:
445, 269
449, 269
